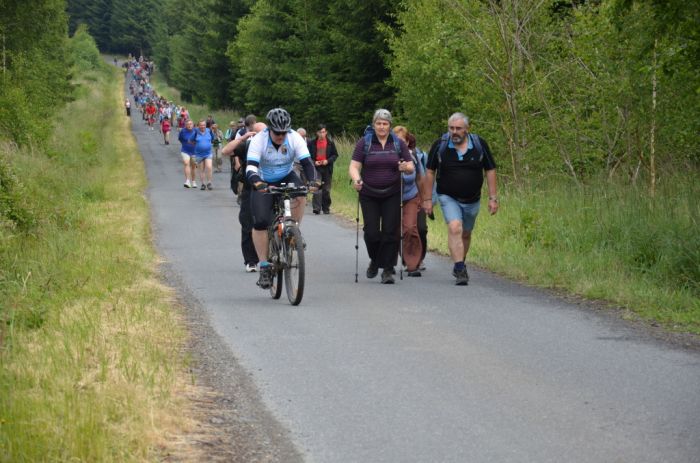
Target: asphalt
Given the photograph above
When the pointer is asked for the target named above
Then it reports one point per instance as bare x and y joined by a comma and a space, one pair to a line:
421, 371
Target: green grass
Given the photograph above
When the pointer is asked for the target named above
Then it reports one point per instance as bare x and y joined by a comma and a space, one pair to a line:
603, 241
89, 342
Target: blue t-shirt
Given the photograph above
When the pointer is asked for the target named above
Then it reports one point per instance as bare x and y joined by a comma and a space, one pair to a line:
410, 188
202, 142
184, 138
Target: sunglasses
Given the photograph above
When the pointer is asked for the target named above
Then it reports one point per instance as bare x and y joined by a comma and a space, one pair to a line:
279, 134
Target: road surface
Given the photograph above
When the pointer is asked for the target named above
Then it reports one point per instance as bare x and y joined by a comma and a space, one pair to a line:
421, 371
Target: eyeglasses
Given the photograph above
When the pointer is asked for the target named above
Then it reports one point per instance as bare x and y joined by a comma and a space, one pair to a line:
279, 134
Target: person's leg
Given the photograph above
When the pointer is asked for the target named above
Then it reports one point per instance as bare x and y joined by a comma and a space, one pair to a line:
245, 218
469, 214
423, 233
371, 217
452, 212
208, 169
186, 167
261, 208
326, 178
390, 231
411, 245
317, 198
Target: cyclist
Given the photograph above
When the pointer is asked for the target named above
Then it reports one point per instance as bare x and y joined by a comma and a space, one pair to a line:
271, 157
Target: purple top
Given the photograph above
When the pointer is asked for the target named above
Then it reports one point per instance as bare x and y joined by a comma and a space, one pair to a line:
380, 167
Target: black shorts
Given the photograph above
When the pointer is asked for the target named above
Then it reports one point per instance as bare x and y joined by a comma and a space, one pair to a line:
261, 203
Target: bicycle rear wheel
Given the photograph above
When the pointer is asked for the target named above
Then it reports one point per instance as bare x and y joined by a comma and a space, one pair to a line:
294, 269
276, 288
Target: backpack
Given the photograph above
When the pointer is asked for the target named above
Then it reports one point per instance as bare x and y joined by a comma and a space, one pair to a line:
369, 131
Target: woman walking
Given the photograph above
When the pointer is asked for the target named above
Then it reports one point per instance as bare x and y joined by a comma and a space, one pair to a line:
377, 162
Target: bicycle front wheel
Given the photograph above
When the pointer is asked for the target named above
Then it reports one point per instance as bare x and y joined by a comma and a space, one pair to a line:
294, 270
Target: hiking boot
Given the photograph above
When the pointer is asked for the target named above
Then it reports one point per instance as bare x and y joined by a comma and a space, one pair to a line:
462, 277
265, 279
317, 212
372, 270
414, 273
388, 276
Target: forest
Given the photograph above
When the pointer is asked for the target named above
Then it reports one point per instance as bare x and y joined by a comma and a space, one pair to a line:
571, 88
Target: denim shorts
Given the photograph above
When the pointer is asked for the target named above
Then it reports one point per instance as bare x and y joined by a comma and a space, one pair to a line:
464, 212
198, 158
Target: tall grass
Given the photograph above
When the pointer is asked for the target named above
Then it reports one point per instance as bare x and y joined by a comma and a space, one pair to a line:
603, 241
89, 344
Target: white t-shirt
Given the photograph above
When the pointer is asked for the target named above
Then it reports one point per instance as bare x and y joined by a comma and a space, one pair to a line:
275, 164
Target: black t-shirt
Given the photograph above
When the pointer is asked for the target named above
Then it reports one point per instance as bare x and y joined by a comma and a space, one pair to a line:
463, 179
241, 152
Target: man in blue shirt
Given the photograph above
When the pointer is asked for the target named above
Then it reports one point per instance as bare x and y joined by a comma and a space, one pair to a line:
187, 153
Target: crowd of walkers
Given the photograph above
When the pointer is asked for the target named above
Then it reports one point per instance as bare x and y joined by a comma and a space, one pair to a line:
397, 183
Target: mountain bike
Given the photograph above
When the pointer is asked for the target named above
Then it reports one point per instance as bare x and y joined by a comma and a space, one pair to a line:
285, 244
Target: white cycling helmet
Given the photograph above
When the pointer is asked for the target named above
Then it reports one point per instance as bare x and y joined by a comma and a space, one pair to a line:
279, 119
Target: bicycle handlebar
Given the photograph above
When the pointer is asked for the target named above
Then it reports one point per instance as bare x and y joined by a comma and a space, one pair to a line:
286, 189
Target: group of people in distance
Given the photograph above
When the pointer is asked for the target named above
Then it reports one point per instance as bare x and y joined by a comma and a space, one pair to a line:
397, 186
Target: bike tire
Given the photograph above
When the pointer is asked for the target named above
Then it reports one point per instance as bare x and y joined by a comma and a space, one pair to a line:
294, 270
274, 258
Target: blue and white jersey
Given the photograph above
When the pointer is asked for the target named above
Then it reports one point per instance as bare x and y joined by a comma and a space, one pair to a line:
275, 164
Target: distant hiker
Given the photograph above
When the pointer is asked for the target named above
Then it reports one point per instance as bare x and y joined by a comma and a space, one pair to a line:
323, 154
458, 160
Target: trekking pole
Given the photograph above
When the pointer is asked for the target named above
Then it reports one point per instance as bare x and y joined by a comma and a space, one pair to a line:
357, 237
401, 224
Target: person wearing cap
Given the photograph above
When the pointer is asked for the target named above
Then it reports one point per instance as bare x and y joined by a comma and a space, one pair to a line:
378, 161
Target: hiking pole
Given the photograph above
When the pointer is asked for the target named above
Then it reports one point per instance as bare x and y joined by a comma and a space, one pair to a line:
357, 237
401, 223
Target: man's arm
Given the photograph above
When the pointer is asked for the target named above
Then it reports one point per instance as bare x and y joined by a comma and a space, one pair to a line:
493, 194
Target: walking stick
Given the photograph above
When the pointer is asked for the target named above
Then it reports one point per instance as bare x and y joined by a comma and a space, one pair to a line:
357, 237
401, 224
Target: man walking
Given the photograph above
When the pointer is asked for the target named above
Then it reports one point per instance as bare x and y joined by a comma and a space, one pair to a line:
458, 161
323, 154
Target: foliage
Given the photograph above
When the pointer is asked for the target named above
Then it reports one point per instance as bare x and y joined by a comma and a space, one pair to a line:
35, 74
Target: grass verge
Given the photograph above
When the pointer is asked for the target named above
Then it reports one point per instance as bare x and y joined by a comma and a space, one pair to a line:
603, 241
90, 347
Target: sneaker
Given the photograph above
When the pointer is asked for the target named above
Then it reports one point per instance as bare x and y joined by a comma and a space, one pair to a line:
187, 184
251, 268
203, 187
414, 273
210, 186
372, 270
388, 276
194, 184
265, 279
462, 277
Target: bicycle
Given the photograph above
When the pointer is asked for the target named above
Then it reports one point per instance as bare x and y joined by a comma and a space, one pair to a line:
285, 244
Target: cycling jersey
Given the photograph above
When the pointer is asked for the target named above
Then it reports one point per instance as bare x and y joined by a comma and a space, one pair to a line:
275, 163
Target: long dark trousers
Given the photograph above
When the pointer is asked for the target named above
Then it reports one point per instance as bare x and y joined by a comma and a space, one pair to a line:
382, 219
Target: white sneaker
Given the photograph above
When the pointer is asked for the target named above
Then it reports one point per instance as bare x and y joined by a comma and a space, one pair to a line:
250, 268
187, 184
194, 184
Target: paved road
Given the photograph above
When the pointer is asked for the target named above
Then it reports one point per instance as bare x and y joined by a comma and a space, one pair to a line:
424, 371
